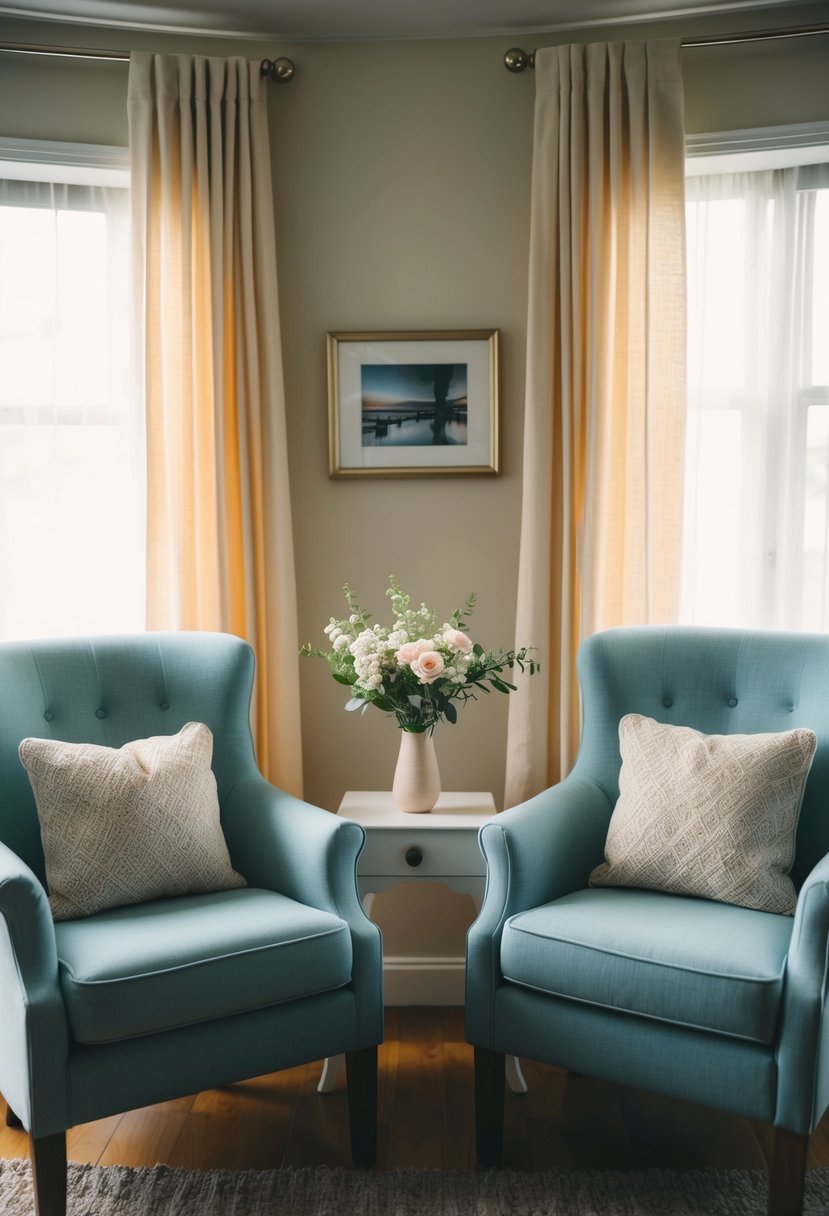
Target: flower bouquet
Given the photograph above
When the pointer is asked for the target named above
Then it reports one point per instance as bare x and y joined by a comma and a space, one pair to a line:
417, 669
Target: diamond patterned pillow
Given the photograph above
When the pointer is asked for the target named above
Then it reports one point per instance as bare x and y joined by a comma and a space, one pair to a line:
707, 815
124, 825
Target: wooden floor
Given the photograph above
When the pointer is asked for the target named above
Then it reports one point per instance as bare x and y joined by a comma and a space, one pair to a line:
426, 1119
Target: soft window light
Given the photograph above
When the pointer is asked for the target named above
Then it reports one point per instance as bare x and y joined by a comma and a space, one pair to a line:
756, 518
71, 454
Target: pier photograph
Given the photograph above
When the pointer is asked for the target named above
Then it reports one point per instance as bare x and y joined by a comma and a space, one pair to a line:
414, 404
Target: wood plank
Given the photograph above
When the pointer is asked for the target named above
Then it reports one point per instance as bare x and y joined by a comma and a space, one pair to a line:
388, 1060
674, 1135
416, 1133
145, 1137
87, 1142
575, 1121
323, 1119
14, 1142
458, 1093
243, 1126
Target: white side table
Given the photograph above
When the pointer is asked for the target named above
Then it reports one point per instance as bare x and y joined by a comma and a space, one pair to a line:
441, 846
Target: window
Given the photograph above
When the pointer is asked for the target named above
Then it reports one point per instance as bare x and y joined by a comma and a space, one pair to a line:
71, 447
756, 544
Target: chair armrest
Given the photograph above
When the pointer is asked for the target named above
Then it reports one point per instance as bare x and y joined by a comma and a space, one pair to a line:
34, 1042
544, 848
535, 852
280, 843
283, 844
803, 1045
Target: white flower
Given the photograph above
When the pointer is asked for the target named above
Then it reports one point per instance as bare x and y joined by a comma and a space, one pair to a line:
340, 643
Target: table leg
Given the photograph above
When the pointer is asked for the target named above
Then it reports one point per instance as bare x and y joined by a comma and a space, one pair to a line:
512, 1067
332, 1067
515, 1077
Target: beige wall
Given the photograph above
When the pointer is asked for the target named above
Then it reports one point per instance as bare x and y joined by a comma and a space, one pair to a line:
401, 177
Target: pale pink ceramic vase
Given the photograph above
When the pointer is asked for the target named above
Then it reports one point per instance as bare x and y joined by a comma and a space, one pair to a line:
416, 785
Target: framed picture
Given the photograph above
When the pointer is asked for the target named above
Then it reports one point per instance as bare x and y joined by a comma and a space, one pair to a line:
416, 404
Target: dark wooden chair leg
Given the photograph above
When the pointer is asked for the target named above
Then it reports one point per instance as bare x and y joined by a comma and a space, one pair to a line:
489, 1105
361, 1079
11, 1118
48, 1154
787, 1173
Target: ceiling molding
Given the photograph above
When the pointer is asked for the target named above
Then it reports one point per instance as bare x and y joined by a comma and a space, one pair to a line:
429, 27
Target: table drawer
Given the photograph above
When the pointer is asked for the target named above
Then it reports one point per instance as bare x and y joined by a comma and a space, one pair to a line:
442, 853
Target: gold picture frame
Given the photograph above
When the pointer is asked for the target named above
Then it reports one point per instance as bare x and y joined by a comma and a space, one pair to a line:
413, 403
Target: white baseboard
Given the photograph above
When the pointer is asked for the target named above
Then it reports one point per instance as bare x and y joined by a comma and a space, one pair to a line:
408, 980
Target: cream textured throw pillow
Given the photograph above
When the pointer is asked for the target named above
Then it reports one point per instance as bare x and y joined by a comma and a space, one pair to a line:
708, 815
124, 825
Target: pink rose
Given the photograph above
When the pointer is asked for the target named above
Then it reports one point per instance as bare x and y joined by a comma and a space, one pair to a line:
428, 666
457, 640
410, 651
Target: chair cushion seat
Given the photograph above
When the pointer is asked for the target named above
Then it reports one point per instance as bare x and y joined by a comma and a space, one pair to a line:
683, 960
174, 962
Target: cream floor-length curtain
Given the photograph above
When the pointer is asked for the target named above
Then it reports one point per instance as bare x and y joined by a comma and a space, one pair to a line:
220, 550
605, 389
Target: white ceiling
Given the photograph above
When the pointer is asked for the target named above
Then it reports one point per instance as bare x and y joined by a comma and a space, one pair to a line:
343, 20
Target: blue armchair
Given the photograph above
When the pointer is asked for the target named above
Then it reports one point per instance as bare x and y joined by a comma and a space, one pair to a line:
706, 1001
285, 970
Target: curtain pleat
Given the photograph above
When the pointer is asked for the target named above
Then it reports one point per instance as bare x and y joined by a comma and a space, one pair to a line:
220, 549
605, 388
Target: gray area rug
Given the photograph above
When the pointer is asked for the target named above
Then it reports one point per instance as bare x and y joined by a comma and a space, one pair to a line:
161, 1191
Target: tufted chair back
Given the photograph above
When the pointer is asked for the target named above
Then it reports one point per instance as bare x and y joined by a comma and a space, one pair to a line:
109, 690
718, 681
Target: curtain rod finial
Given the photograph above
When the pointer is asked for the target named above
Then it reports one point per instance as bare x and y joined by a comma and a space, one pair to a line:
282, 70
516, 60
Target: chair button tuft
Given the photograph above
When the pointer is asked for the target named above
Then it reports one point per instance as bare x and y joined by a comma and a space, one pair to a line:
667, 702
164, 705
100, 713
48, 715
732, 701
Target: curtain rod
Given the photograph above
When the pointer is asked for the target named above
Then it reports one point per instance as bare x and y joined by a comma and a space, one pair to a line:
281, 70
516, 60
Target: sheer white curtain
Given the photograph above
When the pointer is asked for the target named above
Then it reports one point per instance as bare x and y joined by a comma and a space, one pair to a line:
71, 445
756, 536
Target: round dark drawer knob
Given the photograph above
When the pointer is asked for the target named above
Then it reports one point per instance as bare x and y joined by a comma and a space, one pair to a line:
414, 856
